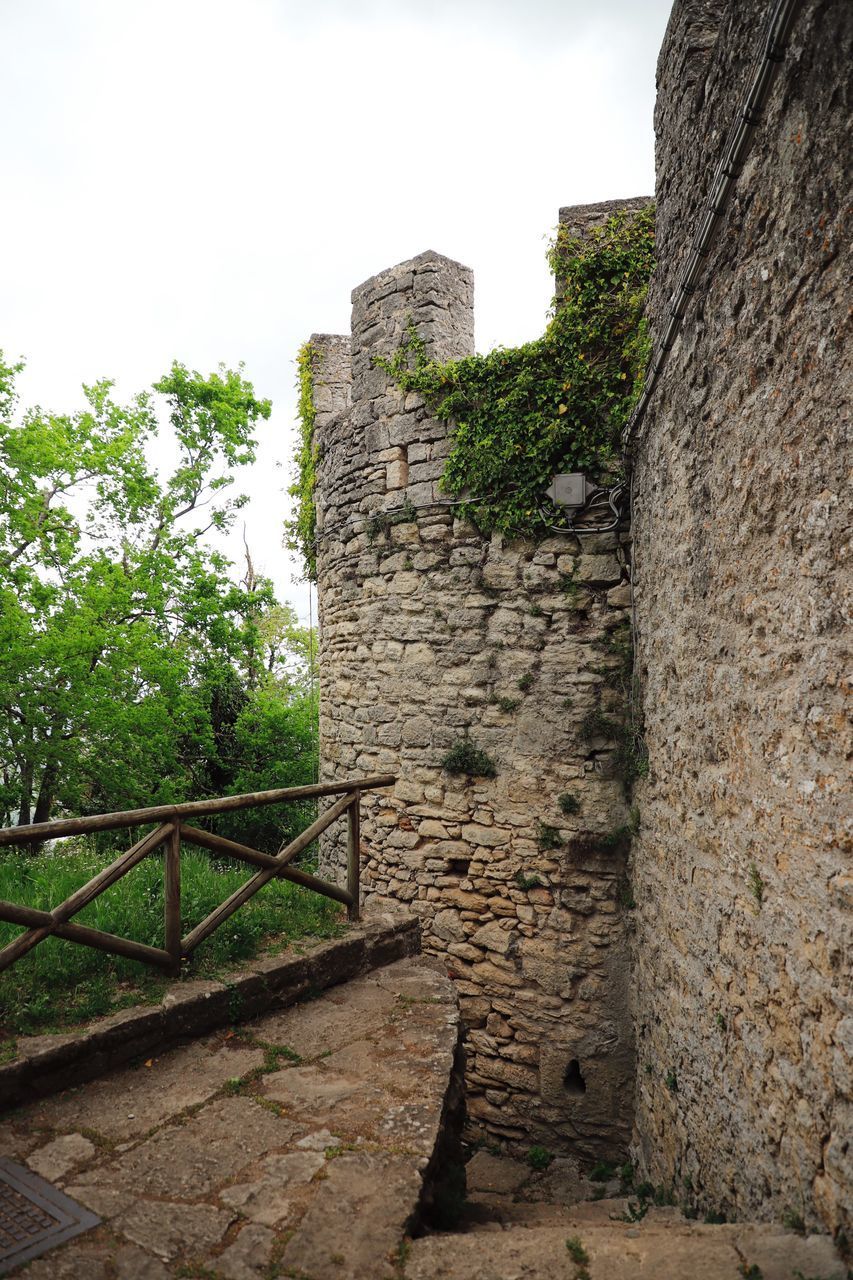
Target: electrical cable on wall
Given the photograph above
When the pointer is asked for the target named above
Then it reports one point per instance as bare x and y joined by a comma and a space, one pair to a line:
740, 139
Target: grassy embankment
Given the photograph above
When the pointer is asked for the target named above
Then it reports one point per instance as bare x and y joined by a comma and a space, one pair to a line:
61, 983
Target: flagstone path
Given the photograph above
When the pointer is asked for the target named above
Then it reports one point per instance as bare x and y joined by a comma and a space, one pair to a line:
295, 1144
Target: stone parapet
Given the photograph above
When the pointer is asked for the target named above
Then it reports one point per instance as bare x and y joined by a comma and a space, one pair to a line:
45, 1064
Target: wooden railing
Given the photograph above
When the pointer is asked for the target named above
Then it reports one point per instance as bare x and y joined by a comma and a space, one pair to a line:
172, 831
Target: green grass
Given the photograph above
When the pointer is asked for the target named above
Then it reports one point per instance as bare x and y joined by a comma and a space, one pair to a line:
59, 983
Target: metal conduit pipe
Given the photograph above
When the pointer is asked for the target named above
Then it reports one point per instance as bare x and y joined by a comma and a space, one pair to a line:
741, 136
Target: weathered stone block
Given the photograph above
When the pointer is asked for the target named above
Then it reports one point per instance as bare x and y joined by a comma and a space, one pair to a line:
396, 474
494, 937
598, 570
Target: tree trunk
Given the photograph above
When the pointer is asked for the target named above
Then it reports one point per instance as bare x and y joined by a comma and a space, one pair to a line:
44, 804
26, 794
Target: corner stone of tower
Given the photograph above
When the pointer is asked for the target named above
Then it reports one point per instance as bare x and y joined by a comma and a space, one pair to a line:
392, 278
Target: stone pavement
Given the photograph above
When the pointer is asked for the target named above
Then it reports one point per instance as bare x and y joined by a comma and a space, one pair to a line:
293, 1145
520, 1225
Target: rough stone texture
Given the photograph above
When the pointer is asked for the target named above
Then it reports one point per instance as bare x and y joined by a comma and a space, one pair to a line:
493, 1174
248, 1257
430, 632
56, 1159
252, 1178
742, 877
141, 1099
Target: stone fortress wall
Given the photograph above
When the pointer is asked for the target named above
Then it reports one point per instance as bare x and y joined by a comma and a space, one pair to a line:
743, 884
431, 633
739, 936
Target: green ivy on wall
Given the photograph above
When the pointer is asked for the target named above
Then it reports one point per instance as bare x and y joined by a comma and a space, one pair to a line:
301, 530
557, 404
522, 414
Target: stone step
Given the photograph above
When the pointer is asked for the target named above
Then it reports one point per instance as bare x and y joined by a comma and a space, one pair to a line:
656, 1248
496, 1212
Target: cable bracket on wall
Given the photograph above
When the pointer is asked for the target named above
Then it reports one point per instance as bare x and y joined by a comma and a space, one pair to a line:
598, 506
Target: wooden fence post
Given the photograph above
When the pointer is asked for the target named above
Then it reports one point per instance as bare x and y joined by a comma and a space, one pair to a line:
354, 856
172, 894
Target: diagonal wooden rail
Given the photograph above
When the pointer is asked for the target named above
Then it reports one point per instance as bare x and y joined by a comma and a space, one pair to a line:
172, 830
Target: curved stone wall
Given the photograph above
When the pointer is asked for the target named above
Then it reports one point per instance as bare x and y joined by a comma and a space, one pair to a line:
743, 997
431, 633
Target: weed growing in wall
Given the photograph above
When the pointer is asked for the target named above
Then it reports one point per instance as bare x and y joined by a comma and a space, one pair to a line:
548, 837
647, 1195
559, 403
301, 530
379, 525
617, 841
625, 898
597, 725
579, 1257
756, 884
794, 1221
631, 756
466, 757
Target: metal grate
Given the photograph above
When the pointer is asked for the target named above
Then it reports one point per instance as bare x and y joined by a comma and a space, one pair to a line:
34, 1216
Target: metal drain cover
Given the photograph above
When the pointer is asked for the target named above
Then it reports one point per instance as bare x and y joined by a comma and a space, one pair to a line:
34, 1216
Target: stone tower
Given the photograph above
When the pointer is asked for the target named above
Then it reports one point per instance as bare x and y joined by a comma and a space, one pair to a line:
433, 634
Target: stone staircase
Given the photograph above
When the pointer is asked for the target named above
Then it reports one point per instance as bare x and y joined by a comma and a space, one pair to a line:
522, 1226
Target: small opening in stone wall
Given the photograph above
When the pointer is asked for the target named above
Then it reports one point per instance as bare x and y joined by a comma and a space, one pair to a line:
458, 866
573, 1081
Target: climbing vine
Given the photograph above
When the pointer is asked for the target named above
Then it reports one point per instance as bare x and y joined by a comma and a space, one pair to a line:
300, 531
521, 414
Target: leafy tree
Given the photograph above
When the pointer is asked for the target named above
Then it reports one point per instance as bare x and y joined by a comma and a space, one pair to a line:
263, 717
115, 615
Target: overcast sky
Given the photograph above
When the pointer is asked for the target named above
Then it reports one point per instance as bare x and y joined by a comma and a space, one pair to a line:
208, 180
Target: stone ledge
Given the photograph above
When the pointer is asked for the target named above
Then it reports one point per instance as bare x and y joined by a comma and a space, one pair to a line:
47, 1064
390, 275
660, 1250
